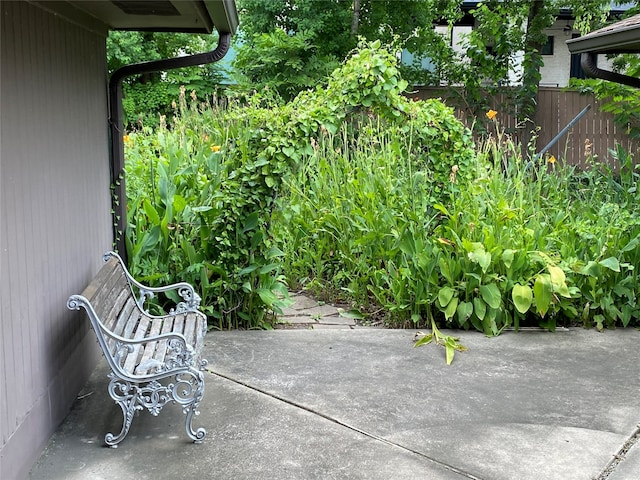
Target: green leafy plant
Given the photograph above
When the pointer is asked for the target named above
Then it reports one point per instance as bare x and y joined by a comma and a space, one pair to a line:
450, 343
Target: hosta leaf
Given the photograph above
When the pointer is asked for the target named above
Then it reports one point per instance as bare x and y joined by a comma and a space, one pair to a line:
445, 295
558, 281
611, 263
267, 296
451, 308
479, 308
465, 310
522, 296
542, 291
507, 257
491, 294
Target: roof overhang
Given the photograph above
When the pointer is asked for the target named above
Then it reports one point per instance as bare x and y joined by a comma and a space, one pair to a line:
196, 16
620, 37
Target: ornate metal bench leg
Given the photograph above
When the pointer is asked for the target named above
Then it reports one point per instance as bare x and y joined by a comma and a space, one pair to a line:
189, 392
125, 396
196, 435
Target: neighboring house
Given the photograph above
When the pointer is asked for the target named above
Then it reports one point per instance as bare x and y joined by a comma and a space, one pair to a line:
55, 196
559, 64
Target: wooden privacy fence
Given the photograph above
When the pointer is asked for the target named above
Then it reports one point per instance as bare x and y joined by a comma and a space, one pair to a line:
595, 131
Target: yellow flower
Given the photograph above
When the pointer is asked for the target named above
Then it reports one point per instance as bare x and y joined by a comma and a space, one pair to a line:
552, 160
126, 138
215, 148
491, 114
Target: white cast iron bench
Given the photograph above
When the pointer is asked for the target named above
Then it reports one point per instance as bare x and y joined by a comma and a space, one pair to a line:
154, 360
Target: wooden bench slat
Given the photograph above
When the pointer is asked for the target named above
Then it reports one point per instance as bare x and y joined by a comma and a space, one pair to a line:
146, 363
130, 306
140, 333
100, 279
190, 328
161, 349
126, 322
178, 324
111, 314
115, 282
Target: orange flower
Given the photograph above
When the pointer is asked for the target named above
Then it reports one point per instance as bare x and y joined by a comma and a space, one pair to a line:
215, 148
491, 114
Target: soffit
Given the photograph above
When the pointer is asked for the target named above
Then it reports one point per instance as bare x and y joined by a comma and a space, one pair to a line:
197, 16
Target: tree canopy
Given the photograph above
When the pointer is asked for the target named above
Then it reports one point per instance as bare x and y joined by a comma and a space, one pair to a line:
148, 96
504, 47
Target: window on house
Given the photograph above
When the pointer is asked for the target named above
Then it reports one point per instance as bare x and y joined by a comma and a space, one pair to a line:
547, 49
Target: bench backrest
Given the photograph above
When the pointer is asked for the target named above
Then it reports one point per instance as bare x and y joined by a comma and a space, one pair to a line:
133, 341
116, 311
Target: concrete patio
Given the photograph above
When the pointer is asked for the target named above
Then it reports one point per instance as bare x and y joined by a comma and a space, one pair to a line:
357, 402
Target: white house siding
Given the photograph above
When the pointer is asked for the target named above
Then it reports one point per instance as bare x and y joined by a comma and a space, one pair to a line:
55, 219
556, 70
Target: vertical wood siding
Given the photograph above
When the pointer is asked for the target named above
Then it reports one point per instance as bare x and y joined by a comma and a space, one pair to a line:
55, 219
556, 108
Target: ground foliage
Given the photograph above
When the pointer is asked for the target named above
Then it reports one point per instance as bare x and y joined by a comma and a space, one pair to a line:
359, 194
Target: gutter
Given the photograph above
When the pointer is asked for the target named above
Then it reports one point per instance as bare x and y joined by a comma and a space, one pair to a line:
588, 63
119, 197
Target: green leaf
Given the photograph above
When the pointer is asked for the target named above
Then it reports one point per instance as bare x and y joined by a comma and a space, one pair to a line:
151, 212
442, 209
480, 256
269, 268
451, 308
479, 308
558, 281
445, 295
353, 313
267, 296
179, 203
465, 310
424, 340
522, 296
491, 294
202, 209
274, 252
542, 290
611, 263
251, 222
507, 257
591, 269
248, 269
632, 245
450, 352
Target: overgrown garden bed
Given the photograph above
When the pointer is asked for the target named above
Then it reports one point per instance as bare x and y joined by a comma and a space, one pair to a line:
359, 194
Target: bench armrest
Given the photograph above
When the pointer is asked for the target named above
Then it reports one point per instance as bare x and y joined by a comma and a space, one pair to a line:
185, 290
